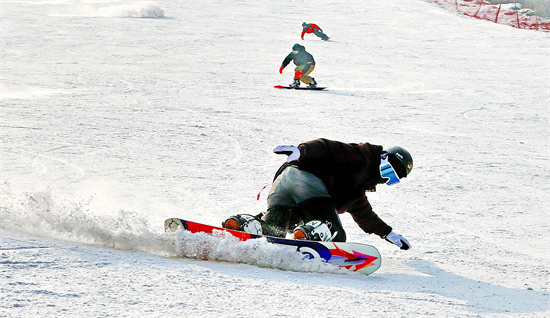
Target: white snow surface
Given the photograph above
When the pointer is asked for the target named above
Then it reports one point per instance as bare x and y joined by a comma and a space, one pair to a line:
118, 115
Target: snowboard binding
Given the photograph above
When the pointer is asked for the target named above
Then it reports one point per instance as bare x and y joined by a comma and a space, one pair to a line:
314, 231
244, 223
296, 83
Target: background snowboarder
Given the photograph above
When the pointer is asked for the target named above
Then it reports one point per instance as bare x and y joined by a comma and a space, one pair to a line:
305, 64
323, 178
313, 28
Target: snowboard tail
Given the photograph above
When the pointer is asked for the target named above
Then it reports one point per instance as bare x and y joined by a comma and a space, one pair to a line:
357, 257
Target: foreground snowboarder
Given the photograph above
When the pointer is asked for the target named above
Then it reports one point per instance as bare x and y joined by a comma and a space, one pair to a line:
305, 64
321, 179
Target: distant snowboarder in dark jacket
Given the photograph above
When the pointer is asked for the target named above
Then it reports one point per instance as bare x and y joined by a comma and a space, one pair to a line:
313, 28
305, 64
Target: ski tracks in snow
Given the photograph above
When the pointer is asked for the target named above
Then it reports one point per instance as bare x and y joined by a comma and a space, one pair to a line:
54, 170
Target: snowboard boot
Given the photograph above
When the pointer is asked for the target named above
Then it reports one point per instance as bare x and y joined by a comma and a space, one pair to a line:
296, 83
243, 222
313, 231
313, 83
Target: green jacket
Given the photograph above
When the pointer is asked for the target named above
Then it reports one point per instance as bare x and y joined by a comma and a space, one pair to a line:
301, 57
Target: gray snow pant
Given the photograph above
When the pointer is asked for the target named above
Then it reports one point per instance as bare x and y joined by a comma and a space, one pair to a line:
297, 197
320, 34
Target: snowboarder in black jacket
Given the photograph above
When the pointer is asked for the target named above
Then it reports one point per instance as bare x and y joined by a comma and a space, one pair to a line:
322, 179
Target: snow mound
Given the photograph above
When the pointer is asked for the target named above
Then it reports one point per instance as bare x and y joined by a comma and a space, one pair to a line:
129, 10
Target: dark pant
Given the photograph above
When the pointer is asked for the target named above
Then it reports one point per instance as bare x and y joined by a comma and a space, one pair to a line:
298, 197
320, 34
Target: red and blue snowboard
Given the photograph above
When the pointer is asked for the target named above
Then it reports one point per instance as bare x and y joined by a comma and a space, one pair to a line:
357, 257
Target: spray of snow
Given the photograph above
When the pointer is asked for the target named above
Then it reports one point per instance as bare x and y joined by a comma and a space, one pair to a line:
73, 219
78, 220
224, 247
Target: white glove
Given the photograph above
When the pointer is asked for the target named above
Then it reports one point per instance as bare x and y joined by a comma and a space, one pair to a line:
292, 152
398, 240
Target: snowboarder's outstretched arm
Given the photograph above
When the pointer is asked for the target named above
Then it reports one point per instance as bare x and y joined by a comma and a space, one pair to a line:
286, 61
368, 221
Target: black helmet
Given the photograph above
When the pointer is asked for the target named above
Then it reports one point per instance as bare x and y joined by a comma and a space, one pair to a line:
298, 47
304, 24
401, 161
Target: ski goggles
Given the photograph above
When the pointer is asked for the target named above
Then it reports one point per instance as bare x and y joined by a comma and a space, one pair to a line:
387, 171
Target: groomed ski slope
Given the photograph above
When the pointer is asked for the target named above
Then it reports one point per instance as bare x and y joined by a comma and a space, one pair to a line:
117, 115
